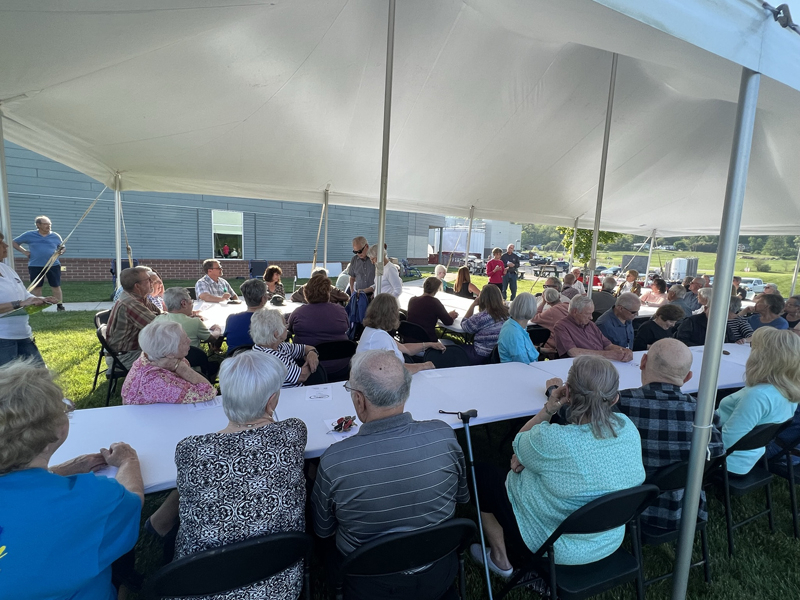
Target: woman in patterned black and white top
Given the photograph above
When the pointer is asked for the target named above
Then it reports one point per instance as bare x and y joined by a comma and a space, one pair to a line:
268, 331
246, 480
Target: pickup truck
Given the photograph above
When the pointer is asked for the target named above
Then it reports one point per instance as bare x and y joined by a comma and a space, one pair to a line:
752, 284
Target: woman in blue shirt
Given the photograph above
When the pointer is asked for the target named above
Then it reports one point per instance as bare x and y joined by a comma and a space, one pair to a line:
61, 527
770, 395
514, 343
768, 311
557, 469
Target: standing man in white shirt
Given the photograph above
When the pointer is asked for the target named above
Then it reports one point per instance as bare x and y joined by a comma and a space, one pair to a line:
390, 282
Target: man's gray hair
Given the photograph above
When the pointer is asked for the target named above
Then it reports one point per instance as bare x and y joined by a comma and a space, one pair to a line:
247, 382
551, 296
569, 279
160, 338
360, 241
381, 377
253, 291
173, 298
324, 271
523, 307
129, 277
579, 303
678, 290
609, 283
266, 326
629, 300
554, 281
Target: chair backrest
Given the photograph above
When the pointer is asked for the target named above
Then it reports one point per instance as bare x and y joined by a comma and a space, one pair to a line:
638, 322
239, 349
539, 335
494, 357
109, 351
192, 293
597, 314
454, 356
101, 318
670, 478
398, 552
607, 512
411, 331
257, 268
338, 349
229, 567
759, 436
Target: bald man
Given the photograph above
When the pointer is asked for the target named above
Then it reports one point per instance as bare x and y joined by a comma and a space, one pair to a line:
664, 415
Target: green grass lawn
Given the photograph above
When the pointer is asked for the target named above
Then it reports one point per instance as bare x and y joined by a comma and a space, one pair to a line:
765, 565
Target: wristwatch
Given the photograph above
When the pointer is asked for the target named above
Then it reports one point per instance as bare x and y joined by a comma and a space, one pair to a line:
550, 390
15, 304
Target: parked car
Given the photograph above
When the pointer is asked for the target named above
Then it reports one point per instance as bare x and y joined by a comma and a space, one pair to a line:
537, 260
476, 266
599, 269
611, 271
561, 265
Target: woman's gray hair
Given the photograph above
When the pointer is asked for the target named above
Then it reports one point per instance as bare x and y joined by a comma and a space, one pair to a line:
173, 298
579, 303
523, 307
551, 296
373, 252
253, 291
735, 304
593, 387
440, 268
247, 381
160, 338
706, 292
381, 377
266, 326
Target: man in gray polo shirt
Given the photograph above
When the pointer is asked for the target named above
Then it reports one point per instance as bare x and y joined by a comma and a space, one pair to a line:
396, 474
361, 269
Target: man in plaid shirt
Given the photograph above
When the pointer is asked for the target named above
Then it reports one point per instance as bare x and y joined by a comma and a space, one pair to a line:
664, 417
212, 287
130, 314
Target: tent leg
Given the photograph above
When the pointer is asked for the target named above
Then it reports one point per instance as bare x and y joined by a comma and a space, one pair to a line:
603, 163
325, 243
387, 124
5, 208
574, 241
794, 277
441, 242
117, 224
469, 234
650, 254
709, 373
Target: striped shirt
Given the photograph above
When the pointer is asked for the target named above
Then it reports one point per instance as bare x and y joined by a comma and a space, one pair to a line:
396, 474
288, 354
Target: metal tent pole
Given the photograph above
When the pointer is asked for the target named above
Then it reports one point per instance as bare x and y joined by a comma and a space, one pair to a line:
117, 224
650, 254
5, 208
325, 243
796, 268
387, 124
603, 162
574, 241
709, 372
469, 234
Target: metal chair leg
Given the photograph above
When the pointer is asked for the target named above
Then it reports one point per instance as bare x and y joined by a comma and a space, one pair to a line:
793, 495
108, 391
462, 578
728, 509
768, 493
97, 371
636, 541
706, 558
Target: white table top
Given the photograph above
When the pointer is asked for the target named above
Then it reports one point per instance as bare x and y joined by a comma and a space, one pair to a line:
214, 313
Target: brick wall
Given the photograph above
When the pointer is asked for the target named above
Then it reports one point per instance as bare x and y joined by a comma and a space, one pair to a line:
98, 269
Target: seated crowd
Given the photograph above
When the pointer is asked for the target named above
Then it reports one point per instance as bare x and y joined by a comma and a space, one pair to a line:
396, 474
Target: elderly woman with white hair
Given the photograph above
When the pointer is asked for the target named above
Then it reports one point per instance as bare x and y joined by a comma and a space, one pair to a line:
162, 374
550, 312
514, 343
390, 280
63, 527
440, 272
243, 481
555, 470
269, 331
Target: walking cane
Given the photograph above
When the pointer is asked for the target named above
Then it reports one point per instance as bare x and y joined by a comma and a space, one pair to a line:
465, 417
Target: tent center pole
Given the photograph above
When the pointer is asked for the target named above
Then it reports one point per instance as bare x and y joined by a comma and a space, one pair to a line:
5, 208
387, 124
469, 234
603, 163
117, 224
796, 268
717, 320
574, 241
650, 253
325, 242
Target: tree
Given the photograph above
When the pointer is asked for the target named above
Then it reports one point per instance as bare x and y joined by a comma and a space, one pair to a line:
781, 246
583, 244
538, 235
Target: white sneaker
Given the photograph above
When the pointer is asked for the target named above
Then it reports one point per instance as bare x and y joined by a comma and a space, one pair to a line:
477, 555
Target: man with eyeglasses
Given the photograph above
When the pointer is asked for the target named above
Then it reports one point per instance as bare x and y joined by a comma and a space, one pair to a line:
212, 287
617, 323
130, 314
576, 334
361, 270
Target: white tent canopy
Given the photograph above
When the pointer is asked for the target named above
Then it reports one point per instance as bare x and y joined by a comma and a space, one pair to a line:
497, 104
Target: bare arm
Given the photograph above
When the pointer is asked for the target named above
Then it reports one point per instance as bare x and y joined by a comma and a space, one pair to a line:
21, 249
122, 456
207, 297
412, 349
611, 352
472, 308
417, 367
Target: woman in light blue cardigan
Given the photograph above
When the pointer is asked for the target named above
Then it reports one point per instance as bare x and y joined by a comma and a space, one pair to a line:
514, 343
770, 395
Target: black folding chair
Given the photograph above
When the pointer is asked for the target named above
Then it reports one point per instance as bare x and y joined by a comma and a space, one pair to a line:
239, 349
192, 293
100, 319
335, 351
231, 567
454, 356
782, 464
412, 333
638, 322
539, 335
758, 478
575, 582
670, 479
494, 357
401, 552
117, 370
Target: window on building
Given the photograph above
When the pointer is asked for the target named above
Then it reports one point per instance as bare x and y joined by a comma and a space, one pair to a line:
228, 233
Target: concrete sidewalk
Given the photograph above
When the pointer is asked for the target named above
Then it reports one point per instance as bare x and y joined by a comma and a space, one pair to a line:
90, 306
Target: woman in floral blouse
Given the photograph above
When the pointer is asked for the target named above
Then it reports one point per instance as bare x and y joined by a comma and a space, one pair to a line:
162, 374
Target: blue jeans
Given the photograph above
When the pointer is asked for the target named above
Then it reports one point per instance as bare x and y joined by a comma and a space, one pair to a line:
13, 349
509, 281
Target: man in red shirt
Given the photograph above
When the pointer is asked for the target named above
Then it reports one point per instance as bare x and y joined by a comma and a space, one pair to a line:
577, 335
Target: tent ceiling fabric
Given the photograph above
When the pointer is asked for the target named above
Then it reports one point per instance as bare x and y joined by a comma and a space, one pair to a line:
497, 103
